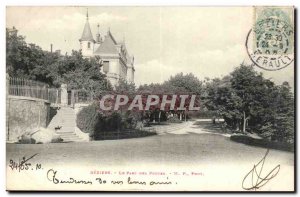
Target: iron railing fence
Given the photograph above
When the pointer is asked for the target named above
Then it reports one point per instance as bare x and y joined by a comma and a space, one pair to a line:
82, 96
39, 90
28, 88
33, 89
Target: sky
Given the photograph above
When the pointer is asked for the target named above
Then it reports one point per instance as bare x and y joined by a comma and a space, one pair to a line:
206, 41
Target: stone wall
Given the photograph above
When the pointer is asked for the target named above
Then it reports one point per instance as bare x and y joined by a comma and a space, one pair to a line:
25, 115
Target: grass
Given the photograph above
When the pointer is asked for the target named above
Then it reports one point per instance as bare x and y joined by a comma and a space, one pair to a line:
169, 149
223, 161
262, 143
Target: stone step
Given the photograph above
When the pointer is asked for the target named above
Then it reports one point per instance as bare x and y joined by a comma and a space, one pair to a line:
66, 119
68, 136
73, 140
67, 113
66, 124
60, 123
63, 126
68, 130
65, 132
68, 139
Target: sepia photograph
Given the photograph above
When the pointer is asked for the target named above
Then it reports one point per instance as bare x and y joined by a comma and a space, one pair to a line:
141, 98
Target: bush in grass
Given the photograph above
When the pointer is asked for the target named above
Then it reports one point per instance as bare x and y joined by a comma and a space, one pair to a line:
88, 119
91, 120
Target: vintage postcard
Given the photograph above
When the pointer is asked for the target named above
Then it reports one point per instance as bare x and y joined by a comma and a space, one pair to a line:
150, 98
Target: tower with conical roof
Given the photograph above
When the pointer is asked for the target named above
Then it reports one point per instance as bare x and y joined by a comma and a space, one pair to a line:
87, 41
117, 64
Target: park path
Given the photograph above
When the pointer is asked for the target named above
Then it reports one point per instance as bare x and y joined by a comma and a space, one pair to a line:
199, 126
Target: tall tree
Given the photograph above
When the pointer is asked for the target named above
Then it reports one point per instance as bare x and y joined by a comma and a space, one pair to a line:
22, 58
247, 100
29, 61
79, 73
186, 83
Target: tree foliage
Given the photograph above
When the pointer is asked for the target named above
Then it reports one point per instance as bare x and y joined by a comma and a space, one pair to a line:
31, 62
184, 83
249, 102
245, 99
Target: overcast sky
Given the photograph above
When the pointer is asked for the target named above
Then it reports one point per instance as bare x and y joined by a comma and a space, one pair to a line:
207, 41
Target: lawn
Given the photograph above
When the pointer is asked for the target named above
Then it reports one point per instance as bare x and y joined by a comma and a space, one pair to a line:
224, 162
169, 148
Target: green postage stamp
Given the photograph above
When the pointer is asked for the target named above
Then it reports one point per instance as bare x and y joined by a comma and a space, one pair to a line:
272, 37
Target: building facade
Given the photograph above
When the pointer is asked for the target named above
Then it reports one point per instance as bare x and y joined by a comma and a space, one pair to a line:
117, 63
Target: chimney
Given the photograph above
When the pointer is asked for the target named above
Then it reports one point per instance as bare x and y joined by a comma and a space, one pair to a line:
51, 47
98, 37
98, 40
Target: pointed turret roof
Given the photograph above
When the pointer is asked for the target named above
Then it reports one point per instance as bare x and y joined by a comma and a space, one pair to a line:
108, 46
87, 33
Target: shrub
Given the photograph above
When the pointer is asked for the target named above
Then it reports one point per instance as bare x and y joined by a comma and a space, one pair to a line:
91, 120
112, 122
88, 119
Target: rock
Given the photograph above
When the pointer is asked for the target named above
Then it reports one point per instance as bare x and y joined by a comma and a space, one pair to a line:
44, 136
40, 136
26, 139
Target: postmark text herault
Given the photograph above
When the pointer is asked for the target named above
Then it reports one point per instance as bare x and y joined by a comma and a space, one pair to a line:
272, 35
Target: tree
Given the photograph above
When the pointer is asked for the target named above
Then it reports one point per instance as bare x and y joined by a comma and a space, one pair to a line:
125, 87
278, 122
237, 97
246, 100
22, 58
179, 84
79, 73
214, 96
184, 83
249, 86
31, 62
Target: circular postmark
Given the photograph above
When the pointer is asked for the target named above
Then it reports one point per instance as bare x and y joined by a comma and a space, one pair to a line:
272, 39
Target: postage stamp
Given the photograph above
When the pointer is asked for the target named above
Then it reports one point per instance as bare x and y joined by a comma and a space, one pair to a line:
272, 38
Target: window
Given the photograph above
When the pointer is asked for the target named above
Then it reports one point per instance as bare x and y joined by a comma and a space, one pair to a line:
89, 45
105, 66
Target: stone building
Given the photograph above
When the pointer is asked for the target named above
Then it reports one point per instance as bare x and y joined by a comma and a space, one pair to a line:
117, 63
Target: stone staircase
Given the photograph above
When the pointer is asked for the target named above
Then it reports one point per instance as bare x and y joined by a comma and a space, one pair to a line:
66, 119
